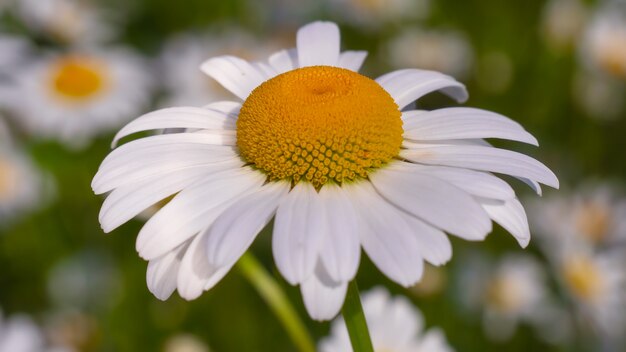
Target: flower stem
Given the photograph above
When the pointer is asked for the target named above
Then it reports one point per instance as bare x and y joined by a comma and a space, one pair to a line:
271, 293
355, 320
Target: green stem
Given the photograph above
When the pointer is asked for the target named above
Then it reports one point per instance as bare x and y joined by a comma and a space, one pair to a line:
272, 294
355, 320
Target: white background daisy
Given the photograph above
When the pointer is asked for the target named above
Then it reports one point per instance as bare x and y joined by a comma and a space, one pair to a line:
603, 49
74, 96
67, 21
399, 181
446, 51
19, 333
395, 325
562, 23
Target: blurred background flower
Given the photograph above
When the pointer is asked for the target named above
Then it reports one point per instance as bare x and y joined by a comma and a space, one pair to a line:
74, 71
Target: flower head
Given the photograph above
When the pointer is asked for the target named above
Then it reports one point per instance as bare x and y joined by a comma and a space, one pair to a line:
332, 157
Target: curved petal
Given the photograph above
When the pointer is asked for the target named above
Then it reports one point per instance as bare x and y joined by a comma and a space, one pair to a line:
195, 272
462, 123
386, 237
318, 44
128, 201
284, 60
485, 159
476, 183
299, 229
162, 273
235, 74
406, 86
352, 60
435, 201
511, 216
193, 210
323, 297
183, 117
434, 245
236, 228
341, 249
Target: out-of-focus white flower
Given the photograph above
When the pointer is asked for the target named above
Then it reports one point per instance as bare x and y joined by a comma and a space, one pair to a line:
495, 72
185, 343
75, 96
599, 96
604, 43
13, 49
22, 187
67, 21
20, 334
312, 141
85, 280
183, 55
563, 22
71, 330
446, 51
593, 215
509, 292
375, 13
395, 325
597, 284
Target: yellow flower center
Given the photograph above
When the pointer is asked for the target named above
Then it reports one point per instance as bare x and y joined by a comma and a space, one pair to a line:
78, 78
319, 124
583, 278
504, 295
8, 178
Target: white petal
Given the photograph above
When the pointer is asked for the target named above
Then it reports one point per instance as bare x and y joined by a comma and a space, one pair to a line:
299, 229
434, 201
485, 159
406, 86
235, 74
341, 248
128, 201
284, 60
162, 273
231, 108
476, 183
195, 271
462, 123
318, 44
386, 237
184, 117
352, 60
511, 216
323, 297
236, 228
193, 210
434, 245
154, 155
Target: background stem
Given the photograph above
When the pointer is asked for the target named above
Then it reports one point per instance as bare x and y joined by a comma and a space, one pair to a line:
271, 293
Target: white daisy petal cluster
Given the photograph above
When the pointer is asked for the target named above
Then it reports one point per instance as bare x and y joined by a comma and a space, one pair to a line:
583, 235
511, 292
22, 187
332, 156
67, 21
20, 334
75, 95
395, 325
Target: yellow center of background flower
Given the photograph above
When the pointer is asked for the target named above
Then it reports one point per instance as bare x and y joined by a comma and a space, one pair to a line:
320, 124
8, 177
78, 78
583, 278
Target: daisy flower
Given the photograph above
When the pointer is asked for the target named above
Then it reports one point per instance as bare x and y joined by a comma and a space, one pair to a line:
77, 95
185, 343
22, 187
599, 96
330, 155
183, 55
20, 334
440, 50
395, 325
604, 42
562, 23
67, 21
594, 215
596, 283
